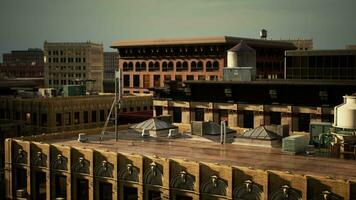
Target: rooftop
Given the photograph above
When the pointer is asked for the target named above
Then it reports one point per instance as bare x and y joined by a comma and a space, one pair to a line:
199, 40
202, 150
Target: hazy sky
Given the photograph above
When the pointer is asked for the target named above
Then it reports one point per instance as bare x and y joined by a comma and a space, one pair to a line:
27, 23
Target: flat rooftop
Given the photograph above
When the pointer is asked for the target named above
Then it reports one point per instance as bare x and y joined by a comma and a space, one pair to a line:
203, 150
200, 41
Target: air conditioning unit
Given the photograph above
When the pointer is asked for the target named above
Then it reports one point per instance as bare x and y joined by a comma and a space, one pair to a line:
20, 193
173, 133
82, 137
145, 133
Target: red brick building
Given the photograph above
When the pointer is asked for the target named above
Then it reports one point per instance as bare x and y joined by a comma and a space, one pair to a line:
23, 64
148, 63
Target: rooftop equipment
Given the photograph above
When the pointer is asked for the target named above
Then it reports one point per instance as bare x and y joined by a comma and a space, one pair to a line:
263, 34
345, 114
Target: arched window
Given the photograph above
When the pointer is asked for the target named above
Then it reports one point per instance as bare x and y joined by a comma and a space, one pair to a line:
193, 66
208, 66
150, 66
143, 66
216, 65
137, 66
185, 66
179, 66
170, 65
156, 66
164, 66
200, 65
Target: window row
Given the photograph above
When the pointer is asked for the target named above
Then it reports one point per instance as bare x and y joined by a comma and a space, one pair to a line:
65, 60
171, 66
147, 80
67, 67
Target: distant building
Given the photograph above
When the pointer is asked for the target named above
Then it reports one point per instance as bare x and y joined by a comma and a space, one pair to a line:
302, 44
23, 64
110, 63
74, 63
321, 64
149, 63
71, 113
350, 46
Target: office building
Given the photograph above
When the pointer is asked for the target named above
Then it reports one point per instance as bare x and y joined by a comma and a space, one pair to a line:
73, 64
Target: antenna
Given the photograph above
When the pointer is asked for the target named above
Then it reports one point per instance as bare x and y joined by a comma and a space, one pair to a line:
115, 105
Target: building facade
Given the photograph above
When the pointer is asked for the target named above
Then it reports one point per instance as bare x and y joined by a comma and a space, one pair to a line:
54, 114
250, 104
110, 63
23, 64
149, 63
74, 63
55, 167
321, 64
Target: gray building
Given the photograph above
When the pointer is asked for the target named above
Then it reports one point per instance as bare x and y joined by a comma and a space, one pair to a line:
110, 63
74, 63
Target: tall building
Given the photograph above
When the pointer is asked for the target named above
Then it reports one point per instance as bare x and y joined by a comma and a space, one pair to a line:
110, 63
23, 64
149, 63
74, 63
321, 64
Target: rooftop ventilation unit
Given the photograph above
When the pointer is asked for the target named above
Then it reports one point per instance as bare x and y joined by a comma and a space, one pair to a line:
82, 137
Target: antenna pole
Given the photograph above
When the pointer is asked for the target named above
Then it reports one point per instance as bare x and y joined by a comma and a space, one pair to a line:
118, 97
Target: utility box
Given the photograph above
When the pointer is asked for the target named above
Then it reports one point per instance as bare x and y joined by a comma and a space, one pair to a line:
74, 90
317, 128
295, 144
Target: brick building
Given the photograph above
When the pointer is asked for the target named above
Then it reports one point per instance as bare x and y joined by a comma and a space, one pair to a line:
149, 63
23, 64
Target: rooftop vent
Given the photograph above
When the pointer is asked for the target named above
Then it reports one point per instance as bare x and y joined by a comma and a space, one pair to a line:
82, 137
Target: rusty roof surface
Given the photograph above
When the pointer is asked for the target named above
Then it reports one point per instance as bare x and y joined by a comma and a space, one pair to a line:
203, 150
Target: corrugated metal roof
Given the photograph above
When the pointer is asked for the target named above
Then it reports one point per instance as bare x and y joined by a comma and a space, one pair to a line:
152, 124
260, 133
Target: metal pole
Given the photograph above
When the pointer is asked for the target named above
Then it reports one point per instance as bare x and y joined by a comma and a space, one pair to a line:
115, 100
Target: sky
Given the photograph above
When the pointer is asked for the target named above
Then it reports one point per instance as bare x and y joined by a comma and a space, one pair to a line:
28, 23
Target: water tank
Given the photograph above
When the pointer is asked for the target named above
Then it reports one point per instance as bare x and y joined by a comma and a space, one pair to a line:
345, 114
263, 34
241, 55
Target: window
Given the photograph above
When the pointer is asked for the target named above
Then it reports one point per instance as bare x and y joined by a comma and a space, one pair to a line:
40, 185
159, 110
82, 189
67, 119
190, 77
21, 180
43, 119
154, 195
126, 80
131, 109
156, 80
102, 115
248, 119
130, 193
275, 118
303, 122
93, 116
58, 119
76, 118
199, 114
105, 191
201, 77
178, 78
86, 117
136, 81
177, 114
61, 186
